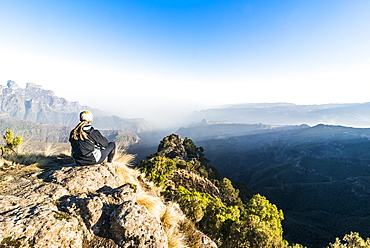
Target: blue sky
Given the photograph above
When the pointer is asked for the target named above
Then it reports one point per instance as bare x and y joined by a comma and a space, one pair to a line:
162, 59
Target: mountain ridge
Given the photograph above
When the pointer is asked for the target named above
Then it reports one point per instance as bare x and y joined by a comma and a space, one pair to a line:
33, 103
40, 115
350, 114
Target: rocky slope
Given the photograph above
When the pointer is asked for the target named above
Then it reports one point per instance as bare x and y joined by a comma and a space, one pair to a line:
108, 205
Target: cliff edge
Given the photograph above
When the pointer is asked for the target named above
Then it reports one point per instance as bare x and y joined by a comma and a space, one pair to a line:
107, 205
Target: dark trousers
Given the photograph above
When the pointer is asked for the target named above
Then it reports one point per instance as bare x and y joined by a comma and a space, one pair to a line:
108, 152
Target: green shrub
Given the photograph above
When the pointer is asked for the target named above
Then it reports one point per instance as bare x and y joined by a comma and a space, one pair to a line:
11, 142
352, 240
229, 194
210, 214
226, 220
259, 226
158, 168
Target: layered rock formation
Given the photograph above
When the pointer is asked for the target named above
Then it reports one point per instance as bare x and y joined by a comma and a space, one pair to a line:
35, 104
105, 205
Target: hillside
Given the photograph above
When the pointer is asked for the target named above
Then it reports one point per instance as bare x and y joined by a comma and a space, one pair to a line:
175, 198
53, 203
231, 217
319, 176
35, 104
352, 114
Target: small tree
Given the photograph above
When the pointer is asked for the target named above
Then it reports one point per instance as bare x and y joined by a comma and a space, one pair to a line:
352, 240
259, 226
158, 168
230, 195
11, 142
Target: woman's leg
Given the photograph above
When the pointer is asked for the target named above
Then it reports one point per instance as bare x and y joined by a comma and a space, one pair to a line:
108, 152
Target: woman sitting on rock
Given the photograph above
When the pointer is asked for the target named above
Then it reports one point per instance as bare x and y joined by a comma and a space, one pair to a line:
89, 146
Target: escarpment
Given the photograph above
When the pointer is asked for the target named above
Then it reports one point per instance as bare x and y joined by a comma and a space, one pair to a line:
107, 205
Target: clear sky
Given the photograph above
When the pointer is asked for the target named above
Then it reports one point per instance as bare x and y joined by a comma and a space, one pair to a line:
158, 59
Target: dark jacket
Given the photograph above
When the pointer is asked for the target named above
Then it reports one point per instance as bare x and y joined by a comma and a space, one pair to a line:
82, 150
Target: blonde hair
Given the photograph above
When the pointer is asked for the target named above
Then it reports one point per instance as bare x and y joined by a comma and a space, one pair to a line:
78, 133
86, 117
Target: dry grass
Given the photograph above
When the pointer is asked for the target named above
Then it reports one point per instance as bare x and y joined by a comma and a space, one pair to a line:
25, 159
51, 149
147, 192
44, 148
39, 160
122, 157
192, 235
122, 169
172, 215
30, 157
171, 220
169, 213
154, 204
127, 174
123, 163
39, 154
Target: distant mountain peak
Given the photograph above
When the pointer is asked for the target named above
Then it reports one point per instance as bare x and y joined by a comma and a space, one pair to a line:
11, 84
33, 103
347, 114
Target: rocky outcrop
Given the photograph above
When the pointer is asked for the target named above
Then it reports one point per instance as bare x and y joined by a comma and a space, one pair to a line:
192, 181
108, 205
172, 146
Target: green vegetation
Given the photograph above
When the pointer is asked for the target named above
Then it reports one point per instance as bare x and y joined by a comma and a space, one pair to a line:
132, 186
352, 240
10, 242
232, 221
158, 168
11, 142
261, 225
194, 152
61, 216
319, 176
224, 218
